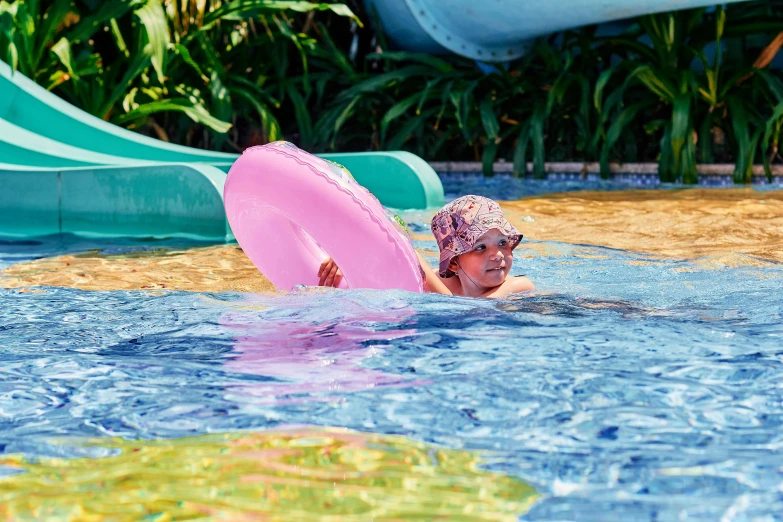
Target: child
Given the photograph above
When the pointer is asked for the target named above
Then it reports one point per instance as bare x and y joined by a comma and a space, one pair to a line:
476, 245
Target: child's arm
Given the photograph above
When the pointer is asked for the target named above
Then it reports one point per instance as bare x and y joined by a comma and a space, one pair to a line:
432, 282
330, 275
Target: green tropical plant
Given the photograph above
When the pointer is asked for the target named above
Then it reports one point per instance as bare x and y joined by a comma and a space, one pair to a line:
688, 98
138, 63
678, 88
672, 77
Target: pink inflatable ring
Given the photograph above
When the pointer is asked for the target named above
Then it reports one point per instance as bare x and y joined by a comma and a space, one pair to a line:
289, 210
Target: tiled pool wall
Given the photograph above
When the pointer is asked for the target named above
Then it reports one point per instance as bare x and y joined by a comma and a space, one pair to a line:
456, 172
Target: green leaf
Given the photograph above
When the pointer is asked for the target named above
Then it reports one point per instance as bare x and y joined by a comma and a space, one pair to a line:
378, 83
139, 62
409, 128
118, 38
302, 114
682, 131
194, 111
771, 123
256, 88
772, 137
720, 22
57, 78
46, 29
63, 51
270, 124
88, 65
488, 158
221, 107
404, 56
455, 97
333, 53
615, 131
285, 30
7, 34
425, 96
211, 55
773, 83
537, 122
221, 98
656, 82
603, 79
520, 151
688, 162
741, 128
489, 120
754, 142
396, 110
464, 107
634, 46
346, 113
705, 140
665, 171
710, 94
106, 12
240, 10
153, 18
188, 59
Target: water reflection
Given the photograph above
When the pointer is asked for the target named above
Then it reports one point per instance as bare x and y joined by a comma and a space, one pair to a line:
297, 474
309, 360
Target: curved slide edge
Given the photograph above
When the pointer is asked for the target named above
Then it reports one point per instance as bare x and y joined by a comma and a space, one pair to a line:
28, 105
163, 200
500, 30
20, 146
399, 180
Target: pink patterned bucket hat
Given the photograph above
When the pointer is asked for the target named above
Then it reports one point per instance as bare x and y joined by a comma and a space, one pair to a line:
459, 224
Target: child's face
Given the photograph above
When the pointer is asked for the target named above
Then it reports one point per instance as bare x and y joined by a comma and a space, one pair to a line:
489, 263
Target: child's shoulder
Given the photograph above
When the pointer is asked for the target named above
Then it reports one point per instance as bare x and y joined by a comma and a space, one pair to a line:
520, 284
513, 285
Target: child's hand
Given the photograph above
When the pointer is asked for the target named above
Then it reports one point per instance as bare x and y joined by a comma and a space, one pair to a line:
329, 274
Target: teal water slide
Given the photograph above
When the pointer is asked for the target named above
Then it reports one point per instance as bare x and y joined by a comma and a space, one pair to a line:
65, 171
501, 30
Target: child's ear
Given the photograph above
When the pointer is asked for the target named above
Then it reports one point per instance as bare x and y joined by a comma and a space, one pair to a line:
453, 266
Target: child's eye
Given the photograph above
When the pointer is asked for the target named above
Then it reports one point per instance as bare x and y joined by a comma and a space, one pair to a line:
479, 248
503, 242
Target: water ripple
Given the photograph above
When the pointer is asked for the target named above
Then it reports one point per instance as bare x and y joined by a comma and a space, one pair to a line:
625, 388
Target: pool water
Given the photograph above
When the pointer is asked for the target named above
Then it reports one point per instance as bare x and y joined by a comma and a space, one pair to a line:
631, 386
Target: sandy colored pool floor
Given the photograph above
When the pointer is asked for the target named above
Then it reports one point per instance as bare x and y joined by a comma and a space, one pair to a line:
722, 226
672, 224
219, 268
